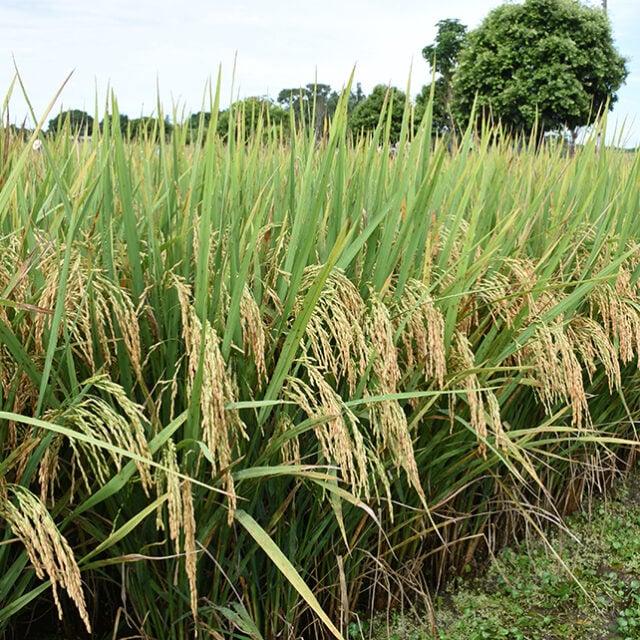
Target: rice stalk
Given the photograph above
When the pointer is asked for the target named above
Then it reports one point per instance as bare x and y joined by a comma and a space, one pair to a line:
221, 427
181, 517
340, 438
335, 334
121, 424
49, 552
98, 313
452, 334
420, 325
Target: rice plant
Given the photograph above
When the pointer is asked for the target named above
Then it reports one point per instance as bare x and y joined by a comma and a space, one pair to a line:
256, 384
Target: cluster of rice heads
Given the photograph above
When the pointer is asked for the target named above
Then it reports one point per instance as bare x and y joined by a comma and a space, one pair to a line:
272, 360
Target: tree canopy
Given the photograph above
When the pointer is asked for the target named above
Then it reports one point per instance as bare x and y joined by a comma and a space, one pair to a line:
148, 128
248, 113
315, 102
366, 114
442, 56
121, 121
550, 60
79, 122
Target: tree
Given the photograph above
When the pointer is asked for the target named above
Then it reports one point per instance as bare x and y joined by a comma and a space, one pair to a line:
80, 122
355, 97
441, 119
194, 122
121, 121
547, 61
315, 103
366, 114
442, 56
249, 114
148, 128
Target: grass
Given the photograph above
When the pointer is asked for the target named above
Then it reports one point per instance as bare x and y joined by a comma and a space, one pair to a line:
524, 593
258, 360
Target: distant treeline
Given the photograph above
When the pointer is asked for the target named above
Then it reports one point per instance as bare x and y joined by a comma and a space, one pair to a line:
310, 106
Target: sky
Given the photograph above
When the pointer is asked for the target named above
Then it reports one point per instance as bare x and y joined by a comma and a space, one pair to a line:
150, 51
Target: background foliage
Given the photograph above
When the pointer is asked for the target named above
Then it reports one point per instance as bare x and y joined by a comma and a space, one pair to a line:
545, 63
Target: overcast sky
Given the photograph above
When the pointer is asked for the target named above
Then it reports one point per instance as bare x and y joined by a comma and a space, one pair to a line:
143, 49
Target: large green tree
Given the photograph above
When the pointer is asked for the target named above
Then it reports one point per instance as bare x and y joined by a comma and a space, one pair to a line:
148, 128
313, 104
249, 114
121, 121
442, 57
550, 60
366, 114
443, 54
356, 97
80, 122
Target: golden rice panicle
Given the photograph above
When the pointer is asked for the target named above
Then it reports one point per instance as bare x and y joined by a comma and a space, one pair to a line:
551, 351
463, 366
340, 439
390, 427
253, 334
122, 427
335, 333
181, 516
536, 294
8, 370
48, 550
617, 305
94, 307
15, 284
116, 298
220, 427
421, 326
557, 369
132, 423
596, 349
15, 383
386, 416
383, 354
274, 249
505, 301
74, 295
494, 420
168, 480
190, 552
572, 377
290, 448
48, 468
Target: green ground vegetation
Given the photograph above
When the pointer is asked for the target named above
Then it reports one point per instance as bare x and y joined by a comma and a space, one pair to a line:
582, 582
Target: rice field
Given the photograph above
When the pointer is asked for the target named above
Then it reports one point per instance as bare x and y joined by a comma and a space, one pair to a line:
263, 386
